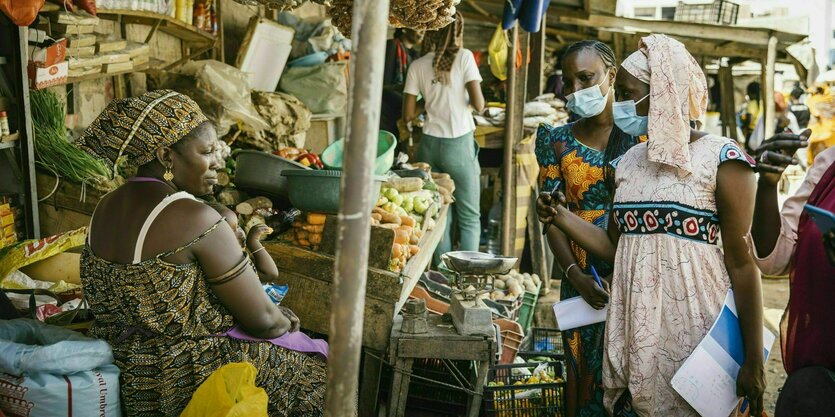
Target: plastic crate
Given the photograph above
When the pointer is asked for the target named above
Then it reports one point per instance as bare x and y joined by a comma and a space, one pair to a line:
542, 341
719, 12
512, 307
511, 335
534, 400
526, 310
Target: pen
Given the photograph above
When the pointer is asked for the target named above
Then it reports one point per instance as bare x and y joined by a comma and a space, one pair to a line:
596, 277
556, 187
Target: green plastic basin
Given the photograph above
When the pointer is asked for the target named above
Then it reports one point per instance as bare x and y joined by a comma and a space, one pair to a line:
386, 143
318, 190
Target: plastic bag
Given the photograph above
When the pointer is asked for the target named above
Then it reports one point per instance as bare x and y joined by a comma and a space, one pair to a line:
497, 53
21, 12
50, 371
229, 392
28, 252
322, 88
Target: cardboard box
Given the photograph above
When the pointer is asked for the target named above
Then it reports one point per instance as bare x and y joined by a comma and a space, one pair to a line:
72, 28
110, 45
82, 51
9, 231
40, 78
49, 56
114, 68
6, 220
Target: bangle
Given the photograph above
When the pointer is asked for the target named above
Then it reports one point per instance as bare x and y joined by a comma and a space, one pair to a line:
565, 273
257, 250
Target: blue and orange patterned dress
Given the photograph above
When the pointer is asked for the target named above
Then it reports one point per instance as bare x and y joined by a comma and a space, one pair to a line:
580, 169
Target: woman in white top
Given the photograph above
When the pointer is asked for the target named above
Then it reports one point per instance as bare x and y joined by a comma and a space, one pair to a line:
448, 80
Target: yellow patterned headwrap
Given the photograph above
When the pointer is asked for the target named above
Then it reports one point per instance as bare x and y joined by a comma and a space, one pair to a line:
132, 129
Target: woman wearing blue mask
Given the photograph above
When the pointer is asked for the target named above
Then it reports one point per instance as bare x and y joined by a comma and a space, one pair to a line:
674, 194
575, 156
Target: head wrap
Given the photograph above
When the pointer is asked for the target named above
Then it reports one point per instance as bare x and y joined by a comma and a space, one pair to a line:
678, 94
132, 129
445, 43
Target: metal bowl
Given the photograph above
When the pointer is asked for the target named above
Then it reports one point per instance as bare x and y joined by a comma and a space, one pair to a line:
478, 263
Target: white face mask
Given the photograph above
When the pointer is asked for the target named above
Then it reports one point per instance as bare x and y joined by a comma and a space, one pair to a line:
627, 119
588, 102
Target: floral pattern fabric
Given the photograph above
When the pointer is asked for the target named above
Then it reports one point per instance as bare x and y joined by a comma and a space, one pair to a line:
667, 288
580, 172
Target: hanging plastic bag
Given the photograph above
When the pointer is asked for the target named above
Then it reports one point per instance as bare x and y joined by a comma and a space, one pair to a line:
47, 371
21, 12
497, 53
229, 392
322, 88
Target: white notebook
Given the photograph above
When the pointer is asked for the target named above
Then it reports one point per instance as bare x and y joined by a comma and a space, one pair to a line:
707, 379
576, 312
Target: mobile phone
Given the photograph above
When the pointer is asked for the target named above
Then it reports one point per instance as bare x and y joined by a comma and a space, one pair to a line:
824, 219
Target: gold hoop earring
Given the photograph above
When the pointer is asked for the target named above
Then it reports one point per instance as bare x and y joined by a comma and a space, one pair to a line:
168, 176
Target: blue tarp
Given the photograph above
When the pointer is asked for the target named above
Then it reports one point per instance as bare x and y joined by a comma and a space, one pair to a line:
528, 12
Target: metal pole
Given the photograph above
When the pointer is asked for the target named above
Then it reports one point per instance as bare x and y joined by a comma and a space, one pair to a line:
508, 216
370, 22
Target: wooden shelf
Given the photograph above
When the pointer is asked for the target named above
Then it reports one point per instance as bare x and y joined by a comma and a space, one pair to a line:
99, 75
166, 24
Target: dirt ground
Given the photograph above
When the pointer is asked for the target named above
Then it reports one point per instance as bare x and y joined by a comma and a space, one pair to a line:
775, 298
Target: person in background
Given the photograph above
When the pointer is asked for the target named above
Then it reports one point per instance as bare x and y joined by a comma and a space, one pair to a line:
673, 196
401, 51
798, 107
171, 279
751, 113
787, 241
784, 121
822, 108
576, 156
448, 79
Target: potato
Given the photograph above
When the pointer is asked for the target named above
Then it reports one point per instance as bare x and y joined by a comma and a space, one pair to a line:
515, 289
530, 287
496, 295
499, 284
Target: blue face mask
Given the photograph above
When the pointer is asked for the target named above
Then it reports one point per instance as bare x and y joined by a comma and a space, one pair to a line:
627, 119
588, 102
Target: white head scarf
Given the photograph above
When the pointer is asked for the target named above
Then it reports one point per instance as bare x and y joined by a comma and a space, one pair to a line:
678, 94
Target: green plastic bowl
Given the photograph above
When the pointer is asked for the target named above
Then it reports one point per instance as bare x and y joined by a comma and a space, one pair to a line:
318, 190
386, 143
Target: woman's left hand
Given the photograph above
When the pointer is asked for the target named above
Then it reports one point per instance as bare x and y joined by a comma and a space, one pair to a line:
546, 206
750, 383
295, 323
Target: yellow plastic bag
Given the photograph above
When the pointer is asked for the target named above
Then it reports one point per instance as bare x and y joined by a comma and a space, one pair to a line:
497, 53
229, 392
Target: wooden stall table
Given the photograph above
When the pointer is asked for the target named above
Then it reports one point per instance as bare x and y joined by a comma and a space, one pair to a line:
310, 274
442, 341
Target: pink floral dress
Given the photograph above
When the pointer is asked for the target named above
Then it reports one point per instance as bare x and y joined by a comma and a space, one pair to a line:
669, 279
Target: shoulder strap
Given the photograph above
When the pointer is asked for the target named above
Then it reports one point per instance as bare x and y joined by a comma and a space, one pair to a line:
193, 241
140, 240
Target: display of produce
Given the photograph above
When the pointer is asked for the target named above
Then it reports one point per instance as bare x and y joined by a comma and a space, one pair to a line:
413, 14
281, 4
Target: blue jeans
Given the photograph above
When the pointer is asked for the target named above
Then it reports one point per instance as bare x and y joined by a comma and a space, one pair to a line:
457, 157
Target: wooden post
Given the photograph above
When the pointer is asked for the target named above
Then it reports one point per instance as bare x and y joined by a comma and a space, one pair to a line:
536, 73
508, 217
728, 106
370, 20
768, 87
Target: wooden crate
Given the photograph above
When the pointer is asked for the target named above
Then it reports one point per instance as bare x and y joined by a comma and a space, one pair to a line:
63, 208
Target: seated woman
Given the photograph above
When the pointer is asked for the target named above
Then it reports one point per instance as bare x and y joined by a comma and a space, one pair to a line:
164, 279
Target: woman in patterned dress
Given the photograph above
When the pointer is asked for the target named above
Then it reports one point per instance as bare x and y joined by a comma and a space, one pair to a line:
165, 281
674, 194
575, 156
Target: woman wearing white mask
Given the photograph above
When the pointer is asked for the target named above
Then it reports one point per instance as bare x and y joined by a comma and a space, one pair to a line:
575, 156
674, 194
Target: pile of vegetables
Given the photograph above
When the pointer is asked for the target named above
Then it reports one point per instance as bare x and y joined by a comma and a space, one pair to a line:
307, 230
406, 236
54, 152
302, 156
513, 285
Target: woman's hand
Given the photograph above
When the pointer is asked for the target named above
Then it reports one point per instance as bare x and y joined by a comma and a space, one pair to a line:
295, 323
587, 286
750, 383
777, 153
253, 238
545, 206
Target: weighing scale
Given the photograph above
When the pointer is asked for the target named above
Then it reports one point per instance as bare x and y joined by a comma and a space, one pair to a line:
475, 273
